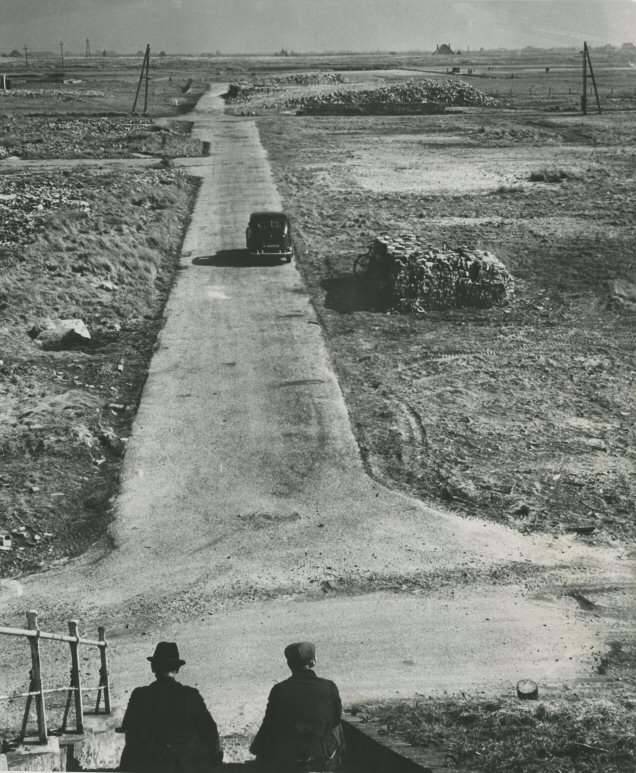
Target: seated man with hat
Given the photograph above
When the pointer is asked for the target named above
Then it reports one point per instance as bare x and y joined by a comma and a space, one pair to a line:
301, 730
168, 727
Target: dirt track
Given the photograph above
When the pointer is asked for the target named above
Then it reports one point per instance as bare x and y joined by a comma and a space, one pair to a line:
246, 518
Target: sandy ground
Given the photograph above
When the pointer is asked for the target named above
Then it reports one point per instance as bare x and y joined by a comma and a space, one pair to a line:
246, 519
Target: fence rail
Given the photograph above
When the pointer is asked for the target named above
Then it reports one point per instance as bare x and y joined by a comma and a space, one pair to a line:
74, 691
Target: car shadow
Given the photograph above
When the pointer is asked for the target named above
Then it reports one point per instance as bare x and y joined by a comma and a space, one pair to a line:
237, 259
354, 292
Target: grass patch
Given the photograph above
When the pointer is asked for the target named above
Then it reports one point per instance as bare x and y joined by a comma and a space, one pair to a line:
105, 249
507, 736
548, 175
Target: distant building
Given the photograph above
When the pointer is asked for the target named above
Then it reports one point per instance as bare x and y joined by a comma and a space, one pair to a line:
443, 49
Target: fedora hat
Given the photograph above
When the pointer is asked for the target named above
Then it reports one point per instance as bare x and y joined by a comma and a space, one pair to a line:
166, 652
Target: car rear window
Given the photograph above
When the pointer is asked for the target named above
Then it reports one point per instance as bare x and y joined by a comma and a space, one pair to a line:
269, 223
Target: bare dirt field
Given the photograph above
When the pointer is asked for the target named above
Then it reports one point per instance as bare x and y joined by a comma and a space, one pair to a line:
521, 414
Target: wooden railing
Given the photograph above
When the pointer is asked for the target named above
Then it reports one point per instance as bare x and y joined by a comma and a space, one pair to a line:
74, 691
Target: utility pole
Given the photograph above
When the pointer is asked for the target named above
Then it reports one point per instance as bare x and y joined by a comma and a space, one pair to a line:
584, 97
62, 52
587, 62
145, 67
147, 78
26, 57
87, 55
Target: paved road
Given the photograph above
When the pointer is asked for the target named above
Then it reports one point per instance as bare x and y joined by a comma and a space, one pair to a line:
246, 519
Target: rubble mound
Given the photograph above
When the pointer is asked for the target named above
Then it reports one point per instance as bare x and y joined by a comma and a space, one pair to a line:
245, 90
452, 93
27, 199
420, 278
64, 94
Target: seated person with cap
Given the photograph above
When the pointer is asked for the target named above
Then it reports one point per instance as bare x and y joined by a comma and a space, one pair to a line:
168, 727
301, 730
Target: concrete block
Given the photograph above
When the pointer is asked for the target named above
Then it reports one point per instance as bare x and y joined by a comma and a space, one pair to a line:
98, 748
32, 755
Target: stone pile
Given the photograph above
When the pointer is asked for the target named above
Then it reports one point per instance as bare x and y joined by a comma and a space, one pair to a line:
244, 90
421, 278
454, 93
59, 93
95, 137
26, 200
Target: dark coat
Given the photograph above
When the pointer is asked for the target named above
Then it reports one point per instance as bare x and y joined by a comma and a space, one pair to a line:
169, 730
302, 722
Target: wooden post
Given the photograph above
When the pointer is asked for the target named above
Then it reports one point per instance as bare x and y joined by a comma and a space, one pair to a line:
62, 52
103, 673
36, 676
26, 57
141, 77
76, 680
584, 97
589, 61
147, 76
527, 690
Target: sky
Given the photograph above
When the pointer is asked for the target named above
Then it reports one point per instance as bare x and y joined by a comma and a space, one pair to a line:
255, 26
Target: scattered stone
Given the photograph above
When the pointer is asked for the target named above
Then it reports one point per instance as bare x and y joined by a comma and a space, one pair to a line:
112, 441
62, 334
581, 600
585, 529
48, 93
624, 293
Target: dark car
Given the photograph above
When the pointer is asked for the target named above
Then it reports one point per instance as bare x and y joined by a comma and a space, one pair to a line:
269, 233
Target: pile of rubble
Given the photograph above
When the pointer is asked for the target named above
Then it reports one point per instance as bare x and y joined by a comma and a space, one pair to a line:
454, 93
26, 200
420, 278
63, 93
95, 137
245, 90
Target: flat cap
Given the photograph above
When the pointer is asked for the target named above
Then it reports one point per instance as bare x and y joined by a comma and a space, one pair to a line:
301, 653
